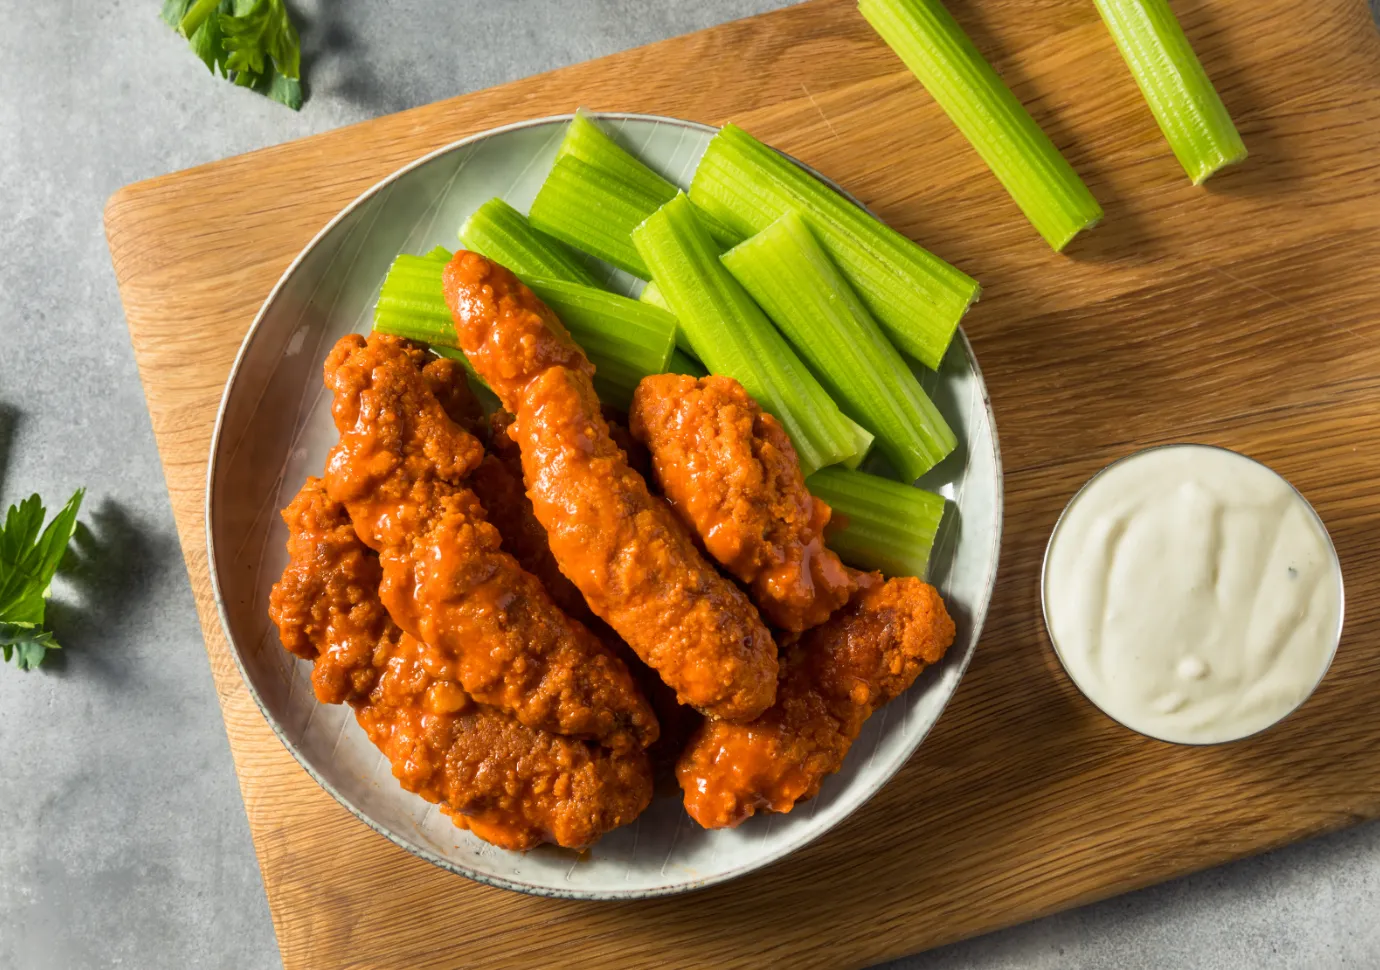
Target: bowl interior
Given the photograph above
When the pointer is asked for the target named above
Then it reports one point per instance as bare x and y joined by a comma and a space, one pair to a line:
275, 429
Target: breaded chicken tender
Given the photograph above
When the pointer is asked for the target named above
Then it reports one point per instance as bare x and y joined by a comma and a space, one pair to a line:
512, 785
622, 547
832, 680
730, 471
399, 469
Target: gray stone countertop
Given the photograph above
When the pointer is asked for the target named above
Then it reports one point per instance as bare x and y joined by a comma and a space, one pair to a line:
124, 841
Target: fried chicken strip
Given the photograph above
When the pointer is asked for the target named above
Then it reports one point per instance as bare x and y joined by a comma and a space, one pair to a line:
498, 482
731, 472
831, 682
512, 785
622, 548
399, 470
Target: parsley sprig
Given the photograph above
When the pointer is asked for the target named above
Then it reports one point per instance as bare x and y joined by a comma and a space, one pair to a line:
251, 42
29, 557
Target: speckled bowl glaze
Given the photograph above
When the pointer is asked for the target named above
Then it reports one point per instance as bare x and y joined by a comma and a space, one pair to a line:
275, 429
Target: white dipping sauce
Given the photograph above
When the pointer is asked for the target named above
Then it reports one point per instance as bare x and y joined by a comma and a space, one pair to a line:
1192, 594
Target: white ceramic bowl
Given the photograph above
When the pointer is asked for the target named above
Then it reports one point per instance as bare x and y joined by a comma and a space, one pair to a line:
275, 428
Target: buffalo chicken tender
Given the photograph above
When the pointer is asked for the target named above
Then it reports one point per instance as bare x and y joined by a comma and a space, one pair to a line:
399, 470
831, 682
731, 472
622, 547
512, 785
498, 482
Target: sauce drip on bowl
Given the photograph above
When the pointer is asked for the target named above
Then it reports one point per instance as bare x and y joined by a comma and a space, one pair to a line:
1192, 594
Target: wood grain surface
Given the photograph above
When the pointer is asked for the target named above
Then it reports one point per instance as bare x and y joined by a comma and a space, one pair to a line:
1241, 314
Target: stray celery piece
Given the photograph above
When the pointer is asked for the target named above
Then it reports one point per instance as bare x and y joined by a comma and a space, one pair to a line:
793, 279
683, 363
585, 140
732, 336
503, 234
878, 523
624, 339
1176, 87
593, 211
916, 296
940, 54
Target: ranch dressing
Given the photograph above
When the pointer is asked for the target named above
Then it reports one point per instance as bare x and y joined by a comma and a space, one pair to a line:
1192, 594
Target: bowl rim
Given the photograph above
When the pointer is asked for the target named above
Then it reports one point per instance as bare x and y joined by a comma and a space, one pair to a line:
977, 619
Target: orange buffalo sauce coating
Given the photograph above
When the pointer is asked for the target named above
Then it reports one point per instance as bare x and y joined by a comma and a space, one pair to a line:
622, 547
731, 472
512, 785
831, 682
400, 469
498, 483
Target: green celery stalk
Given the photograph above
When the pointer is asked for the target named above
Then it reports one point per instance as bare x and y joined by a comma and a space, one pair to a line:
683, 363
916, 296
878, 523
503, 234
624, 339
794, 280
593, 211
585, 140
940, 54
732, 336
1180, 95
412, 302
651, 294
863, 440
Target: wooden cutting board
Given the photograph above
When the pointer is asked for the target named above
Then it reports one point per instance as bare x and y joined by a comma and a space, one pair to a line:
1242, 314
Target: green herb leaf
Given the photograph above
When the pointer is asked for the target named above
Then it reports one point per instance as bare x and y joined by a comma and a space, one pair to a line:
208, 43
174, 11
261, 33
252, 43
29, 558
30, 644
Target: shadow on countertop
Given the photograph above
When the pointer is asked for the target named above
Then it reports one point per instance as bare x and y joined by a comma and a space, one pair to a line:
112, 562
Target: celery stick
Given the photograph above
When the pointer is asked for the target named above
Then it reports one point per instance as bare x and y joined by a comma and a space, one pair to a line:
940, 54
651, 294
596, 194
878, 523
624, 339
585, 140
795, 281
917, 297
732, 336
683, 363
593, 211
503, 234
412, 304
1176, 87
863, 440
